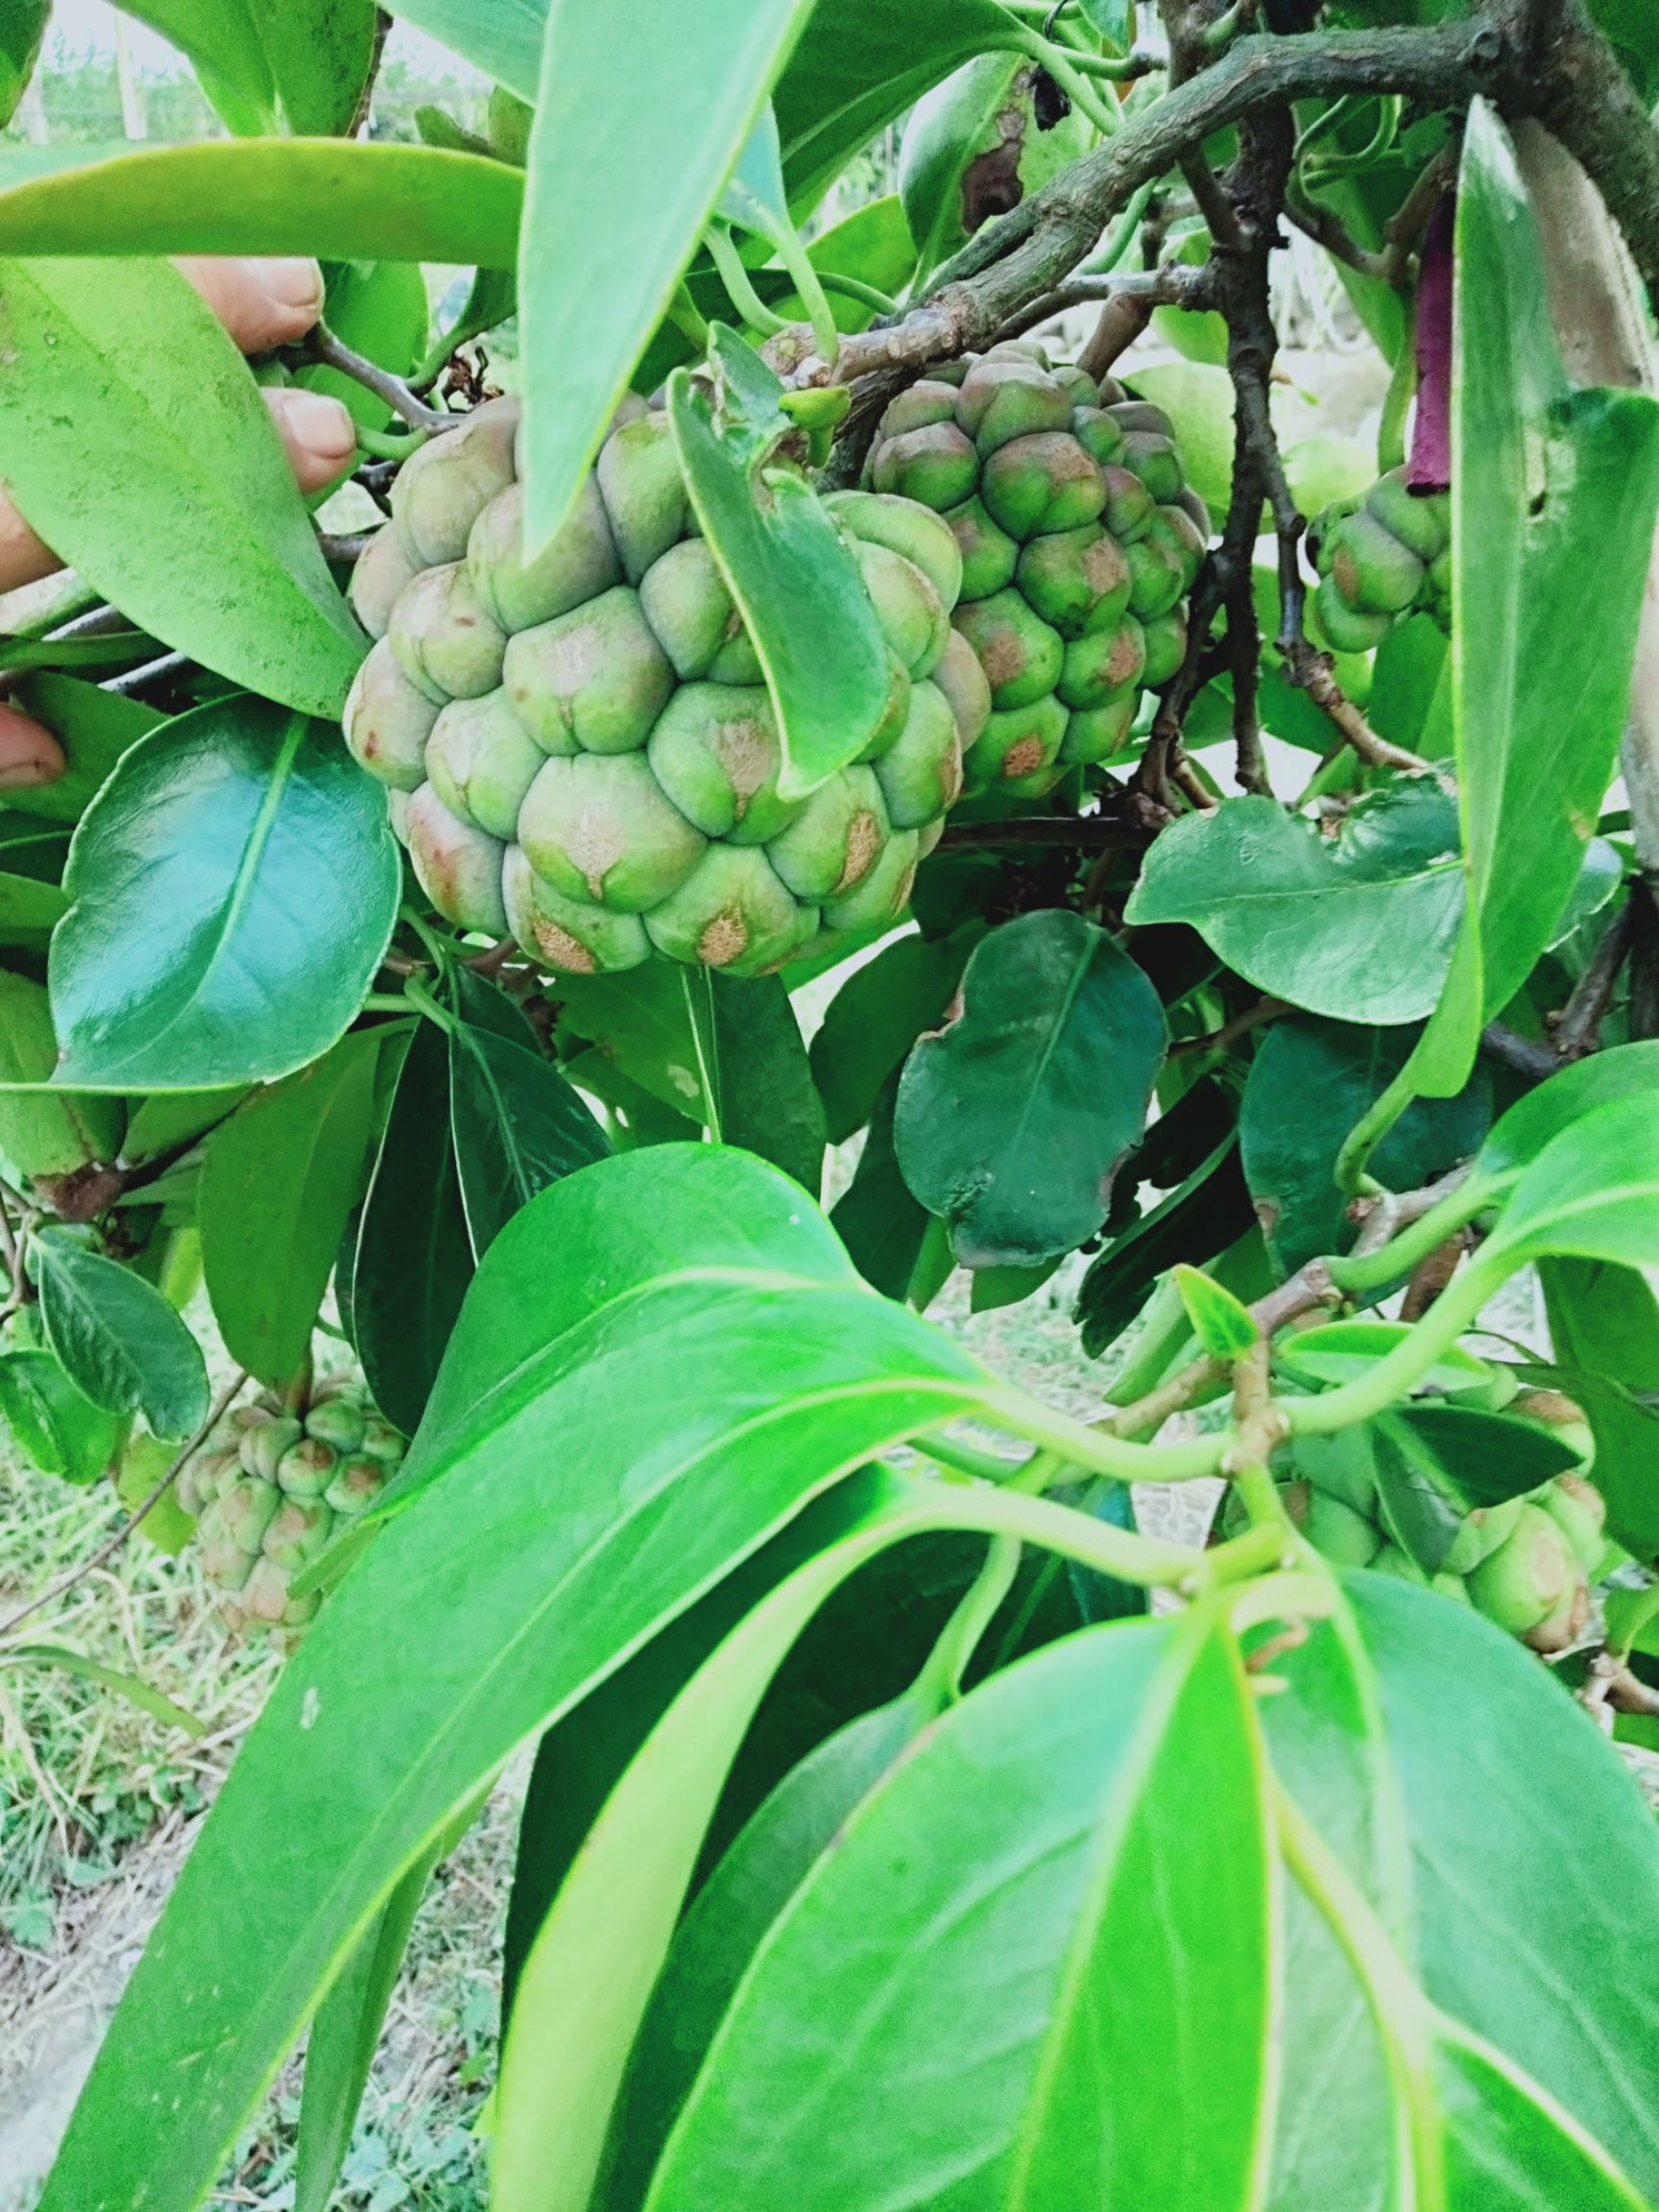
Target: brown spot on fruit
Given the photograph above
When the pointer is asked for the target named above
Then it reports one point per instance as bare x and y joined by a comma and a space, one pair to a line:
863, 843
724, 940
1023, 757
563, 950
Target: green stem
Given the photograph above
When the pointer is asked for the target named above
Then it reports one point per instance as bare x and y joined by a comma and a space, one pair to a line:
1391, 1380
940, 1681
389, 445
1373, 1125
969, 1460
1142, 1560
1120, 237
1101, 1455
739, 290
1362, 1272
385, 1002
417, 994
1077, 88
434, 944
811, 285
688, 318
1397, 405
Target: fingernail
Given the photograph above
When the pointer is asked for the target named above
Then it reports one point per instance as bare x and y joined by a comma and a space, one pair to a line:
321, 425
292, 282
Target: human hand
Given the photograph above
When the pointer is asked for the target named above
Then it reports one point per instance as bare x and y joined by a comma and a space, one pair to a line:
262, 303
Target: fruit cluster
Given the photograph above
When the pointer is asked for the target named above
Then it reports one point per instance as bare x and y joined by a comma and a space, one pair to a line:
1528, 1563
581, 746
1382, 557
271, 1488
1079, 540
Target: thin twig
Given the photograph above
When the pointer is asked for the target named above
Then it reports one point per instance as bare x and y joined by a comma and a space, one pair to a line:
323, 346
1314, 672
1229, 1033
1579, 1030
1535, 1062
108, 1550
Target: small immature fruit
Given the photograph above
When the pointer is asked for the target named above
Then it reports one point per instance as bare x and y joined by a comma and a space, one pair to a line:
1529, 1576
835, 840
1040, 484
936, 465
389, 720
1380, 558
733, 911
602, 828
482, 761
271, 1491
1020, 655
595, 680
717, 754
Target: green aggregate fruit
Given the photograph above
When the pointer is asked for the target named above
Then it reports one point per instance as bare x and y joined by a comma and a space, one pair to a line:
579, 745
1078, 541
1380, 558
269, 1490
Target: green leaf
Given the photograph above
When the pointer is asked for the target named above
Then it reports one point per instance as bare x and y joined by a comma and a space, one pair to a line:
618, 193
303, 62
234, 888
502, 37
1220, 1322
591, 1971
1555, 496
1437, 1463
727, 1921
1309, 1083
341, 198
1359, 927
1340, 1351
639, 1021
135, 440
1604, 1325
413, 1257
1011, 1123
95, 729
56, 1426
22, 29
876, 1016
1200, 1217
883, 1226
121, 1344
1197, 397
29, 911
859, 65
767, 1101
1459, 1852
517, 1126
1592, 1192
797, 584
131, 1686
700, 1362
279, 1181
1086, 1825
1539, 1117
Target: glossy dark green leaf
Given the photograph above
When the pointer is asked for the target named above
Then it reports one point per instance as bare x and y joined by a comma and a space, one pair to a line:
861, 63
302, 62
413, 1258
1435, 1463
997, 2056
801, 591
235, 885
280, 1179
30, 911
618, 192
502, 37
700, 1362
1310, 1084
1460, 1854
1358, 926
1605, 1327
1202, 1217
638, 1020
54, 1426
1340, 1351
346, 198
633, 1115
767, 1100
135, 440
1410, 696
1555, 496
120, 1342
517, 1126
876, 1016
94, 727
882, 1224
1011, 1123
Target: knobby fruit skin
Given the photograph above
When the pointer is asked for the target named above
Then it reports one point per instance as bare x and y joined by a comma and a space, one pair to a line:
270, 1489
1079, 540
1380, 557
1527, 1563
580, 747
